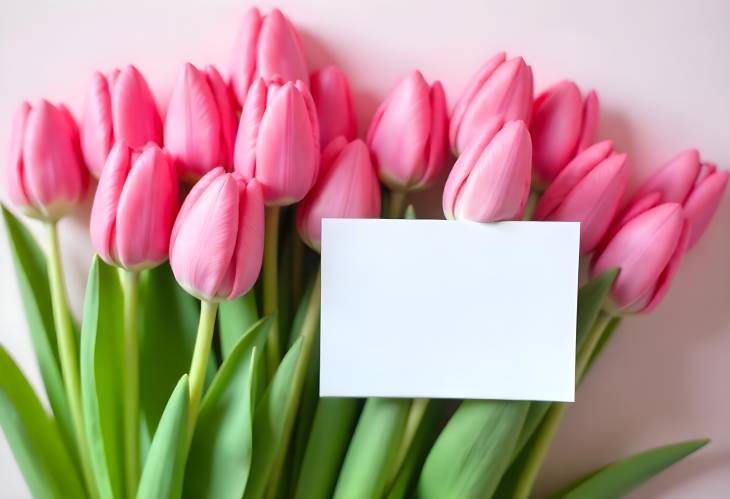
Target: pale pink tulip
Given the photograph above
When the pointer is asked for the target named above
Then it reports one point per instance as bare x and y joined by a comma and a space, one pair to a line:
46, 176
563, 124
134, 207
118, 106
588, 191
408, 135
501, 88
332, 97
278, 141
266, 47
647, 251
200, 127
491, 179
347, 187
217, 241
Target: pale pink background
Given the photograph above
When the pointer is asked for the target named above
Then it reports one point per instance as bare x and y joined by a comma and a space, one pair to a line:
663, 73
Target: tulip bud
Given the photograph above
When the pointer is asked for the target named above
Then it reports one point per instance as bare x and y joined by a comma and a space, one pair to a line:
118, 106
647, 251
501, 88
561, 127
347, 187
278, 141
217, 241
490, 181
266, 47
333, 100
46, 177
588, 191
408, 134
134, 207
698, 187
201, 124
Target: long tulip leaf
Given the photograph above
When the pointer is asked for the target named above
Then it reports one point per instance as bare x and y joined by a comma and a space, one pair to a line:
235, 317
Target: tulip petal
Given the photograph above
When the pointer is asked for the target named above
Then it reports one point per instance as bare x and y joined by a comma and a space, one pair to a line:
675, 180
243, 57
279, 51
16, 168
134, 112
244, 155
198, 189
438, 144
226, 114
333, 99
97, 132
665, 279
702, 204
589, 127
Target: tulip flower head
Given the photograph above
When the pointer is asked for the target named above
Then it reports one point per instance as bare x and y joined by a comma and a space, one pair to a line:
118, 106
278, 141
408, 135
134, 207
333, 99
501, 88
217, 241
46, 177
563, 124
266, 47
490, 181
200, 127
588, 191
347, 187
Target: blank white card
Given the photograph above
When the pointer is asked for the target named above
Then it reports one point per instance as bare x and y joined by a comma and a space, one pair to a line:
444, 309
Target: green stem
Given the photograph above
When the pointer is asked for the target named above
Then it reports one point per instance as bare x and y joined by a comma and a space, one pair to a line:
531, 205
270, 271
415, 417
130, 287
199, 364
395, 204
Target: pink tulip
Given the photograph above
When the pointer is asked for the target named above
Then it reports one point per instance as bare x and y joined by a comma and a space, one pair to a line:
201, 124
46, 177
501, 88
698, 187
647, 251
134, 207
118, 106
408, 134
335, 111
491, 179
266, 47
278, 141
347, 187
562, 126
217, 241
588, 191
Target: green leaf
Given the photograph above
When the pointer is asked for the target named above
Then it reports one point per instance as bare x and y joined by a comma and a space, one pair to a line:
473, 451
102, 347
162, 475
30, 268
591, 298
619, 478
614, 323
235, 317
410, 213
34, 437
220, 454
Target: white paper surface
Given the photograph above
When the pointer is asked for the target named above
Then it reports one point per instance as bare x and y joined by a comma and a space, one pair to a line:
444, 309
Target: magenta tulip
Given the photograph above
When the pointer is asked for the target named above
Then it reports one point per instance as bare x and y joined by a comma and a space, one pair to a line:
562, 126
408, 134
335, 111
200, 127
46, 176
501, 88
217, 241
278, 141
266, 47
588, 191
647, 251
118, 106
134, 207
491, 179
347, 187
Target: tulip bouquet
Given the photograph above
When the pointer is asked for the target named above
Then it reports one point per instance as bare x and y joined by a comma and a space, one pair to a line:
199, 378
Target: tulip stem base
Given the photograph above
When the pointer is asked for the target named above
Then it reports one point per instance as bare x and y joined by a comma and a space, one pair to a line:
130, 287
270, 271
396, 199
199, 364
413, 423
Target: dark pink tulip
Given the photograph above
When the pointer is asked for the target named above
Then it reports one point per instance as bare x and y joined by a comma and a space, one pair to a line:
46, 176
200, 127
408, 135
588, 191
501, 88
134, 207
332, 97
266, 47
563, 124
217, 241
118, 106
347, 187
